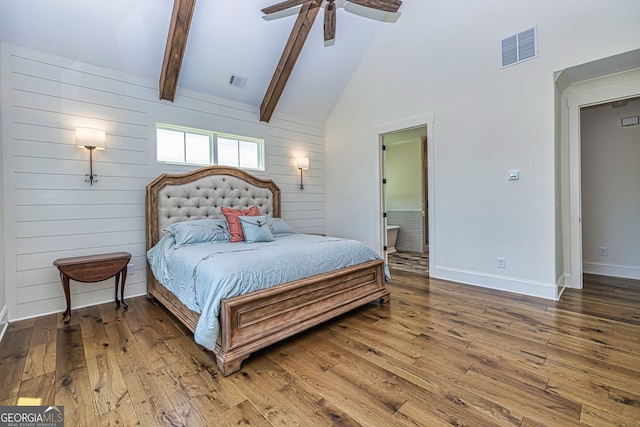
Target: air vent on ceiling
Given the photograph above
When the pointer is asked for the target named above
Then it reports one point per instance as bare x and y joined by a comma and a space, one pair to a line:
237, 81
519, 47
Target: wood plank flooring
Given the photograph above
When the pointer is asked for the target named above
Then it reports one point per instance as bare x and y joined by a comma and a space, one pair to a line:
439, 354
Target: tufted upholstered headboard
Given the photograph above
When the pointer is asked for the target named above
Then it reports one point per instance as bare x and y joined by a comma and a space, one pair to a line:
202, 193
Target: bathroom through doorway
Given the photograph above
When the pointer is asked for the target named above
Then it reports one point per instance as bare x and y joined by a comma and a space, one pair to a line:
406, 198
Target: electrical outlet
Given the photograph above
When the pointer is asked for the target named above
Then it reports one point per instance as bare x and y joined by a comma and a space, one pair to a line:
604, 251
502, 263
129, 269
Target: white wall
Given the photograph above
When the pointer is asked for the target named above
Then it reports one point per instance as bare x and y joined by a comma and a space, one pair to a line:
487, 121
51, 212
610, 190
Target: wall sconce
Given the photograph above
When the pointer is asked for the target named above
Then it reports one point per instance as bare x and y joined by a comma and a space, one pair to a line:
302, 163
91, 139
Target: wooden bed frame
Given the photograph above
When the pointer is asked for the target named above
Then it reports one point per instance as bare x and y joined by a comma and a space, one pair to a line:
255, 320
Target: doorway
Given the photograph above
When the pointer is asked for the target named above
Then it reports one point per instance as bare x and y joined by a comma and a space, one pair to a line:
575, 97
406, 198
609, 153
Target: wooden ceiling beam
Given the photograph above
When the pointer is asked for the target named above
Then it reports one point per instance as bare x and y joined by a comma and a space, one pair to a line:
292, 50
176, 44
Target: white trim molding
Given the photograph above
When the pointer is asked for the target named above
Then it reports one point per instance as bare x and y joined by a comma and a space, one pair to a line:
611, 270
501, 283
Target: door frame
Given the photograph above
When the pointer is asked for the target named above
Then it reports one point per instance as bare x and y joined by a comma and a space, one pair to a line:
413, 122
424, 148
575, 97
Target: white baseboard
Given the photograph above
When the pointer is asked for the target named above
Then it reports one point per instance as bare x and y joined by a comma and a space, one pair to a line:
563, 283
611, 270
563, 280
502, 283
4, 323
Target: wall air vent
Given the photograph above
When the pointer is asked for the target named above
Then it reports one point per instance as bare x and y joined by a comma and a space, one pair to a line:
237, 81
519, 47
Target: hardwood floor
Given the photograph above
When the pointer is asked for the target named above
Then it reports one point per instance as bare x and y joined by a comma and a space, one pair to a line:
439, 354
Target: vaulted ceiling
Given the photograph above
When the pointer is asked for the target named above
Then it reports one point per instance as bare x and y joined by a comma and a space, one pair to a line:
226, 37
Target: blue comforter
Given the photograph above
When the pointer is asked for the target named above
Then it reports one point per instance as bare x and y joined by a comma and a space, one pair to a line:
202, 275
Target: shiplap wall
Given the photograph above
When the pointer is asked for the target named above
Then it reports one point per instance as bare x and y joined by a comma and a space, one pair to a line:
51, 212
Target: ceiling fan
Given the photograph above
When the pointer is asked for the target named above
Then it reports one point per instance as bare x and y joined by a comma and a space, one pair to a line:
301, 29
330, 10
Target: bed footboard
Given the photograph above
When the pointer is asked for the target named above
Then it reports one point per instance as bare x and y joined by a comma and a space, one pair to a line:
253, 321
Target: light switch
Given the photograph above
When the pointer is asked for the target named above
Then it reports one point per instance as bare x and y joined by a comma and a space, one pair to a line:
513, 175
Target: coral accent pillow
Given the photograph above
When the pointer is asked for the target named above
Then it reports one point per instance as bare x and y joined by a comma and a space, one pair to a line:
235, 227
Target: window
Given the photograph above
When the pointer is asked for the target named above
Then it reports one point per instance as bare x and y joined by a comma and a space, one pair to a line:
177, 144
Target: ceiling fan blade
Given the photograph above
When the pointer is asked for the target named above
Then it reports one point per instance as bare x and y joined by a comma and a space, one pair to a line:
367, 12
386, 5
282, 6
330, 21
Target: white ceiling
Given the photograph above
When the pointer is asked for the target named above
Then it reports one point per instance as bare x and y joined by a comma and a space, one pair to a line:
227, 37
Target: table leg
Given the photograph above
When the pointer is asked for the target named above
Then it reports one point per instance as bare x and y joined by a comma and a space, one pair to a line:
124, 278
117, 279
120, 301
65, 285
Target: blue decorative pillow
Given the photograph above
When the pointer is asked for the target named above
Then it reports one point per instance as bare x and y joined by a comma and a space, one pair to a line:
199, 231
279, 227
255, 229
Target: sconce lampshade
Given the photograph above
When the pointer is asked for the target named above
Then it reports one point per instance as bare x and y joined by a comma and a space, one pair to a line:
302, 163
88, 137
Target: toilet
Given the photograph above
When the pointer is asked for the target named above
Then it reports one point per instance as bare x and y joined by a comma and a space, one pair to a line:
392, 237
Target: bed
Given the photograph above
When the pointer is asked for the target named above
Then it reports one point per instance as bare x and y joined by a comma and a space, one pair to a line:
256, 319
